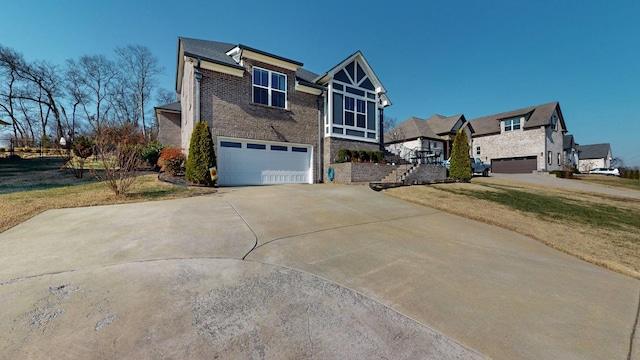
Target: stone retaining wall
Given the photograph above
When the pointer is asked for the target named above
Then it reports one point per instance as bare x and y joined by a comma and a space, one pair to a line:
347, 173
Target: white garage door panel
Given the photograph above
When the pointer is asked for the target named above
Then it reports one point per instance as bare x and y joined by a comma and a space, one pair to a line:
249, 166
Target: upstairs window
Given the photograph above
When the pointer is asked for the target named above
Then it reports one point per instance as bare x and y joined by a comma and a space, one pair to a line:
512, 124
269, 88
353, 103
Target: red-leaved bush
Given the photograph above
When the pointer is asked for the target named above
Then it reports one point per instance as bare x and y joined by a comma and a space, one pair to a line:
172, 160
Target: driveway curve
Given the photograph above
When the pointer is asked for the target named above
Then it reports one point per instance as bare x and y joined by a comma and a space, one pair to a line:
329, 272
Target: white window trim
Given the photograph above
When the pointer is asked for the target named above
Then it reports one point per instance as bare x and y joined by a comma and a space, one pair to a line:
511, 121
270, 88
345, 94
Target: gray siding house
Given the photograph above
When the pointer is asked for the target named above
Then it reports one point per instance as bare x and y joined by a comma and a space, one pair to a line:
272, 121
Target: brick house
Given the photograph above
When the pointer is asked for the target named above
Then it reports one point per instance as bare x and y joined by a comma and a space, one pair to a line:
594, 156
521, 141
426, 141
272, 121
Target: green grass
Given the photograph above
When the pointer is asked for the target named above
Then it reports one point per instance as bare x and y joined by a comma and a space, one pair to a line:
613, 182
557, 208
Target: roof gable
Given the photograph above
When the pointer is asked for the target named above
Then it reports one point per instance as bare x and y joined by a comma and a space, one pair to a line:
594, 151
435, 127
535, 116
356, 70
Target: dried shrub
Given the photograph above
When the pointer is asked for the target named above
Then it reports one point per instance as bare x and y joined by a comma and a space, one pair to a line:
172, 160
119, 152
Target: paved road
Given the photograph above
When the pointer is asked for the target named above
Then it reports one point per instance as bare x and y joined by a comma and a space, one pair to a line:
549, 180
329, 272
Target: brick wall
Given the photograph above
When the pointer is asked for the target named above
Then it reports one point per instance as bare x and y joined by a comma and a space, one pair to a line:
226, 103
169, 125
333, 145
512, 144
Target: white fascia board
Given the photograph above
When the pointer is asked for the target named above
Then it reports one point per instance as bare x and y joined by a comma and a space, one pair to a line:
216, 67
180, 69
385, 100
269, 60
308, 89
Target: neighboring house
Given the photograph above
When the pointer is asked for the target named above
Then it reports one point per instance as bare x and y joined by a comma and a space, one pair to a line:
169, 120
521, 141
426, 140
594, 156
570, 153
272, 120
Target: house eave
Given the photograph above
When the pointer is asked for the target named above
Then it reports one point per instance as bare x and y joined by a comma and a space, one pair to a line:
241, 52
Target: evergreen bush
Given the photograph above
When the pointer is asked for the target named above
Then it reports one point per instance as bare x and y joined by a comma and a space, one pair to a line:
636, 174
201, 155
364, 156
460, 168
355, 155
151, 152
344, 155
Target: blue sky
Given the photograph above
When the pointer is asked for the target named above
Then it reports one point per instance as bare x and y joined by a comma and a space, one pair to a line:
476, 57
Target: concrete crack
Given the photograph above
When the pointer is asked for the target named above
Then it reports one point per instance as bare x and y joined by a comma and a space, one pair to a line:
633, 330
255, 245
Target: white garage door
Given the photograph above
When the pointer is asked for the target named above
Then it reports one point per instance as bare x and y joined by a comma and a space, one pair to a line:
254, 162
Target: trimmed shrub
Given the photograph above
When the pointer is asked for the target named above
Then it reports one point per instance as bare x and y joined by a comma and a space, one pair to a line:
364, 156
355, 155
201, 155
460, 168
344, 155
171, 160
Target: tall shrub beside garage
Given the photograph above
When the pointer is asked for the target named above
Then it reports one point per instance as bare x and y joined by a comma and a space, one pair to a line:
460, 168
201, 155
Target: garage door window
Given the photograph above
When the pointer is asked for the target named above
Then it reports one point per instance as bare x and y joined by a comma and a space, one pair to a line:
230, 144
298, 149
257, 146
278, 148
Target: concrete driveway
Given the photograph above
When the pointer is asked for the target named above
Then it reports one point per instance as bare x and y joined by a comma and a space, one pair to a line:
328, 272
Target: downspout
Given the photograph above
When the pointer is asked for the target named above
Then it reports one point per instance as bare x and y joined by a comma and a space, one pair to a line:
198, 76
320, 145
381, 129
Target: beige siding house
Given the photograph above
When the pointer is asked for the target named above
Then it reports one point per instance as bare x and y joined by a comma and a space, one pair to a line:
521, 141
594, 156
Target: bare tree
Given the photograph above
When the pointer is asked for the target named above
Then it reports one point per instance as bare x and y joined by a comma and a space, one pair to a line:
140, 69
29, 88
93, 78
389, 123
165, 96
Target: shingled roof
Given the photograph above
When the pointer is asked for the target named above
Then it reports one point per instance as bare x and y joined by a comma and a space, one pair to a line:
432, 128
594, 151
568, 142
174, 106
216, 52
535, 116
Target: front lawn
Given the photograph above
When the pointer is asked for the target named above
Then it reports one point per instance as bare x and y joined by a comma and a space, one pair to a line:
601, 229
30, 186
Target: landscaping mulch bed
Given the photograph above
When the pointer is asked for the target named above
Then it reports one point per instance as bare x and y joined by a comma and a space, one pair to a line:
176, 179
